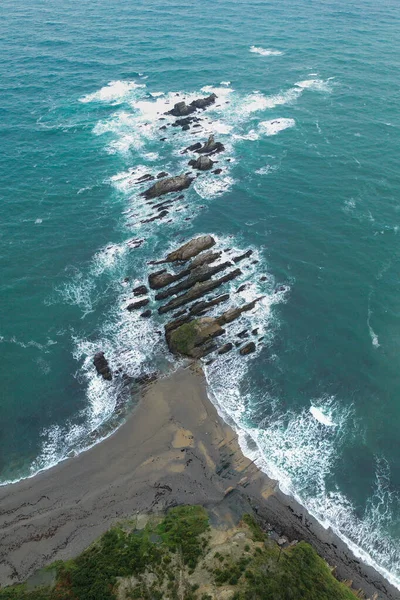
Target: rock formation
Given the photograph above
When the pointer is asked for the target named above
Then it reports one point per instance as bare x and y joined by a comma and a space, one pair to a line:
168, 185
102, 367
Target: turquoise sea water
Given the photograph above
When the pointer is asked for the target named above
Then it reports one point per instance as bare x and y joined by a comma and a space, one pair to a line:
309, 113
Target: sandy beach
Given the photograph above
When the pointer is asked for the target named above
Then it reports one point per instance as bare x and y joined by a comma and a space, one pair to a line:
173, 449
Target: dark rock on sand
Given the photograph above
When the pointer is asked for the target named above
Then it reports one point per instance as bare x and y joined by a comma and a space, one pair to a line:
137, 305
102, 367
248, 349
141, 290
165, 186
211, 147
203, 163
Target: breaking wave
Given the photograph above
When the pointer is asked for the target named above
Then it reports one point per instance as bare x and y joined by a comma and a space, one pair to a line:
265, 51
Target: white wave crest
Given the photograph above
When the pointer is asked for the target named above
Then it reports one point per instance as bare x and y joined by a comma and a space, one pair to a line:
318, 85
276, 125
114, 92
265, 51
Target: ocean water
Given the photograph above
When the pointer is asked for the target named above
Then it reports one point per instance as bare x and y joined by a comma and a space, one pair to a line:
308, 109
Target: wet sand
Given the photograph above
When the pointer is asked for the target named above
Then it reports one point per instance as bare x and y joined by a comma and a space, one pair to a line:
173, 449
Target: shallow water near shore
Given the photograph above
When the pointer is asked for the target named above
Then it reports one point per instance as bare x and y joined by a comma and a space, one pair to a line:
308, 112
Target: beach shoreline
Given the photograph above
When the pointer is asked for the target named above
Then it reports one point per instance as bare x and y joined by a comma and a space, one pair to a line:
173, 449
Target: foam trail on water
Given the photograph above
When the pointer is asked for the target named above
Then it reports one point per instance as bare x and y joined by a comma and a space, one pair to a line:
276, 125
265, 51
114, 92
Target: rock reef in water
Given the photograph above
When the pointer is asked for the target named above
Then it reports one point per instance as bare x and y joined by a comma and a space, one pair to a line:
102, 366
181, 109
168, 185
191, 248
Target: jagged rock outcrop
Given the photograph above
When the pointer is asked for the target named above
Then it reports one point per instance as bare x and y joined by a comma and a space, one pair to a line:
189, 338
102, 366
247, 349
181, 109
211, 147
197, 291
162, 278
138, 304
191, 248
168, 185
199, 308
241, 257
203, 273
234, 313
186, 122
225, 348
203, 163
205, 258
141, 290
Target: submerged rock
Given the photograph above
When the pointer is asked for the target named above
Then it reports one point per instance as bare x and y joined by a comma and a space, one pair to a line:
168, 185
102, 366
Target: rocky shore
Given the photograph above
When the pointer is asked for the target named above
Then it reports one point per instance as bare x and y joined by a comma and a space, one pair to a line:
174, 449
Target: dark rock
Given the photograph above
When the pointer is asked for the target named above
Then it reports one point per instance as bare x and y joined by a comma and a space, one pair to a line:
217, 171
280, 288
162, 278
143, 178
162, 174
211, 147
199, 308
185, 123
179, 313
199, 290
233, 313
203, 273
137, 305
243, 334
264, 278
191, 248
192, 148
141, 290
248, 349
194, 338
162, 139
146, 314
176, 323
226, 348
254, 331
203, 103
203, 163
102, 367
168, 185
181, 109
205, 258
237, 259
163, 128
161, 215
125, 280
241, 288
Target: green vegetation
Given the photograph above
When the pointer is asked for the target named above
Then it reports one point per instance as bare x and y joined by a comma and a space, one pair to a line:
181, 557
184, 337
